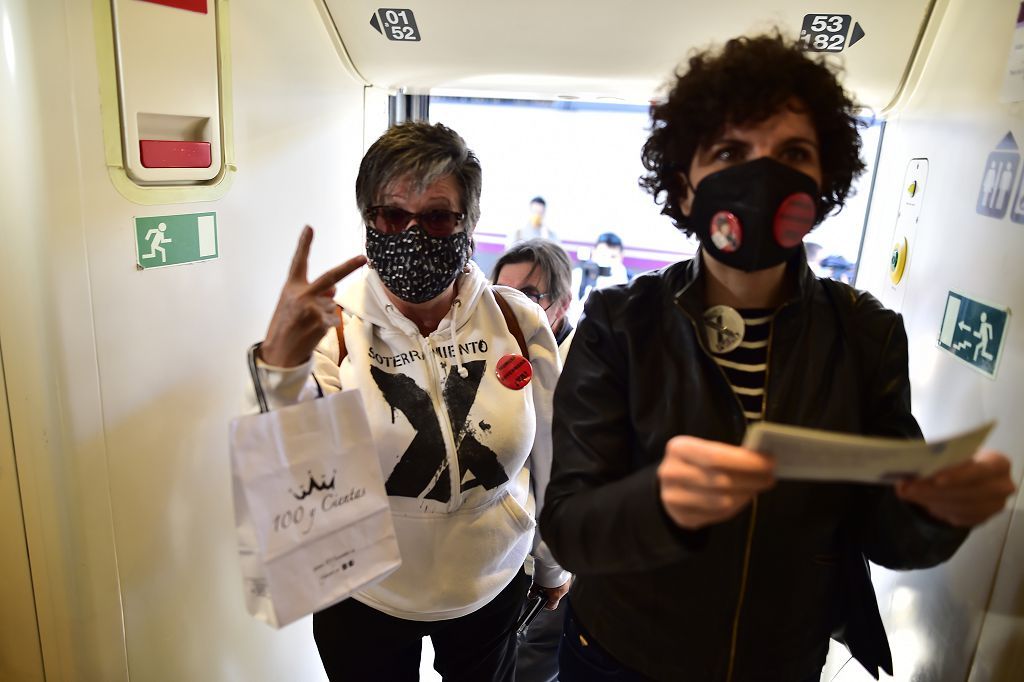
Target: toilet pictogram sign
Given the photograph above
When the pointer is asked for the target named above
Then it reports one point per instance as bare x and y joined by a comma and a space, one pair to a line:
997, 177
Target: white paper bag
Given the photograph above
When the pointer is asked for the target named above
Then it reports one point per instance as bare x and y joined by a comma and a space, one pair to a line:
311, 512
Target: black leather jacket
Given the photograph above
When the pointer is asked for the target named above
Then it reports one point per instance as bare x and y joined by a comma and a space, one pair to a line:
755, 597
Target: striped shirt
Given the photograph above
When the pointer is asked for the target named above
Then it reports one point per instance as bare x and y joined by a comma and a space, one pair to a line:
746, 366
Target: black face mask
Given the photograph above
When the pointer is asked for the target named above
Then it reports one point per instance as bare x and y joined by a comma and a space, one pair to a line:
754, 215
414, 266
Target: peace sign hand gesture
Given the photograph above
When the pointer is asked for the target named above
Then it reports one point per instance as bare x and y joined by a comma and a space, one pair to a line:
306, 310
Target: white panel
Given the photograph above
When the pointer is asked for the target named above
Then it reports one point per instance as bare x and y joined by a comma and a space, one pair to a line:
171, 343
298, 139
207, 236
1000, 654
904, 233
20, 653
126, 380
21, 656
48, 348
375, 108
603, 47
168, 82
949, 320
963, 620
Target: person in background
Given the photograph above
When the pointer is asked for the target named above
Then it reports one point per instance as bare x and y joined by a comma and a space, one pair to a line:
535, 227
465, 450
540, 269
814, 252
604, 268
839, 268
692, 561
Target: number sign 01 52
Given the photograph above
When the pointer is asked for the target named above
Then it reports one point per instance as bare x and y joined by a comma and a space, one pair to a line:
398, 24
825, 32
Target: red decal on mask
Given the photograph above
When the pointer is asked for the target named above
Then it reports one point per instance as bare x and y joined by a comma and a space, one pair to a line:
794, 219
726, 232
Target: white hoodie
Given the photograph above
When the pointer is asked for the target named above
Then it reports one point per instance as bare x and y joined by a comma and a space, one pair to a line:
437, 408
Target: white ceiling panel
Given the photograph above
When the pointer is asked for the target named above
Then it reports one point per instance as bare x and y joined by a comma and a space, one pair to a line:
602, 48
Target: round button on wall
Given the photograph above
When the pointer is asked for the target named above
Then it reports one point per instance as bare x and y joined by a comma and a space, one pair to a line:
898, 260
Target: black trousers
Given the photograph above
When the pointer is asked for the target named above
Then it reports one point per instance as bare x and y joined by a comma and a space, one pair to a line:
359, 643
582, 659
537, 655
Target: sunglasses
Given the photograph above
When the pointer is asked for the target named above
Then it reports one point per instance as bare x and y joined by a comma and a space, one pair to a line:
393, 220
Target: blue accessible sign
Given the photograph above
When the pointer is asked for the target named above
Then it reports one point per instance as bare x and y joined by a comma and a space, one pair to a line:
974, 332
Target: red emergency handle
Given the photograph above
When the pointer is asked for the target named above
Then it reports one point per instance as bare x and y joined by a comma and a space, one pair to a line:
190, 5
174, 154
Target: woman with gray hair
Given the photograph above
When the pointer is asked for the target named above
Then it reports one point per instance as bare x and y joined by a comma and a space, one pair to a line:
457, 379
540, 269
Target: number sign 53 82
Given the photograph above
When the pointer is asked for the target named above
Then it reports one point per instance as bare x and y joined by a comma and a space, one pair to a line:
825, 32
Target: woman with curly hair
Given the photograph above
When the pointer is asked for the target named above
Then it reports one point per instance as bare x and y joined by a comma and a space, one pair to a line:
693, 561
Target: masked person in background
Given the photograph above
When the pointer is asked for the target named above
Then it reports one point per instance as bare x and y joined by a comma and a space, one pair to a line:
604, 268
540, 269
692, 561
456, 377
535, 227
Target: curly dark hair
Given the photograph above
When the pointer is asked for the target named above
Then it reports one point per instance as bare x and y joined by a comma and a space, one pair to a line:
746, 82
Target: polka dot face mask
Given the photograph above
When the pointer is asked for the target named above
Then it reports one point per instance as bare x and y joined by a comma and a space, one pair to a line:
414, 266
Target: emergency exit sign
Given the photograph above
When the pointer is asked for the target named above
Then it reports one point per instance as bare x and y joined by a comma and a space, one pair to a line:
175, 239
974, 332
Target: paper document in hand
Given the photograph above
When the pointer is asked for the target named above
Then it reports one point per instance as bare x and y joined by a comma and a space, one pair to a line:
810, 454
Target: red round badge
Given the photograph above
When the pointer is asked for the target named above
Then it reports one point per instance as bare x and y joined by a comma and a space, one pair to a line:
514, 371
794, 219
726, 231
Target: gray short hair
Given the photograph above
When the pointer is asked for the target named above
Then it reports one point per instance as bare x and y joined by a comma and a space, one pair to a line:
422, 153
546, 256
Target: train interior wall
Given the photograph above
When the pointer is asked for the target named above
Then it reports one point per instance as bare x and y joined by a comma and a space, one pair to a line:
121, 382
118, 555
962, 620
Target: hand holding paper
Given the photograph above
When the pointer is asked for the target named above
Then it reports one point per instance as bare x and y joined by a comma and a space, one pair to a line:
950, 478
702, 482
965, 494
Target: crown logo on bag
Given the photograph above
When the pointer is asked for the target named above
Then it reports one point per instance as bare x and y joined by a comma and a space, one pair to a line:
323, 484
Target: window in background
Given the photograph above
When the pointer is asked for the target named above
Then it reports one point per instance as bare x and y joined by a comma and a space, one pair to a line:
584, 160
833, 248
